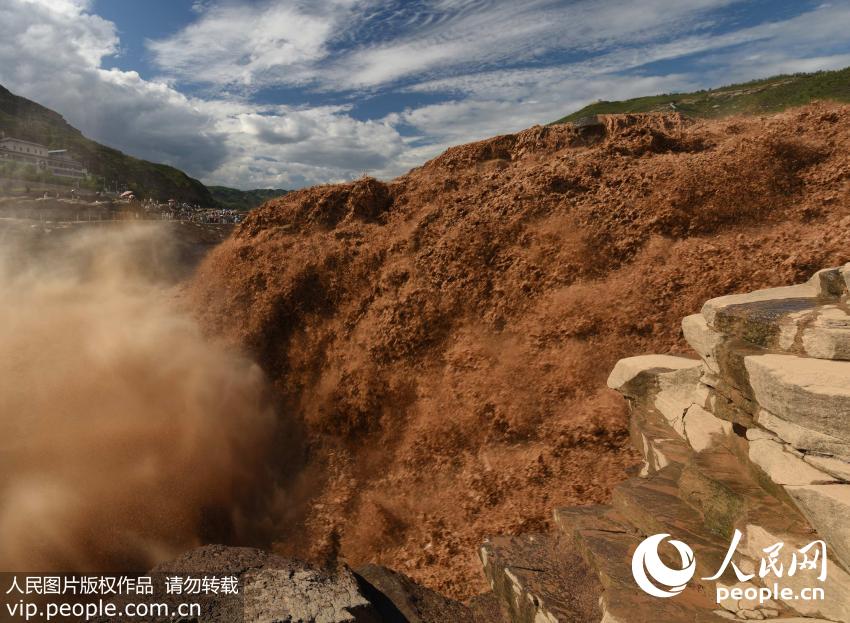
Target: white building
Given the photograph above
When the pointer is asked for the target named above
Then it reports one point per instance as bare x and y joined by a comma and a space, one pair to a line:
57, 162
24, 148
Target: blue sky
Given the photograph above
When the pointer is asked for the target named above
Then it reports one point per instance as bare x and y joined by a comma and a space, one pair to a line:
288, 93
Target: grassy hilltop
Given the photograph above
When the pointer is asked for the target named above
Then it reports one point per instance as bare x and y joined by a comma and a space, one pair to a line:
763, 96
244, 200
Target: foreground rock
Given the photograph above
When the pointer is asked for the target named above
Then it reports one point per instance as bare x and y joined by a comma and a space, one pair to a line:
751, 439
272, 589
268, 589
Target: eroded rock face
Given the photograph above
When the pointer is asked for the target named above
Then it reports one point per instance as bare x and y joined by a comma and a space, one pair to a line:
798, 380
774, 363
811, 393
752, 438
272, 589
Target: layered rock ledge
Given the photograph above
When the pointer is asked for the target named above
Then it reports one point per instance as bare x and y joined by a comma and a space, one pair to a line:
753, 435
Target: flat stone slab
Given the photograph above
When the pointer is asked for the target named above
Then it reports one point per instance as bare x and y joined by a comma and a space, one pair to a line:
784, 467
827, 284
835, 467
654, 507
811, 319
610, 553
803, 438
725, 401
827, 334
271, 589
628, 370
729, 496
571, 519
811, 393
397, 598
827, 507
703, 430
803, 291
486, 608
834, 282
703, 339
657, 441
835, 606
624, 606
770, 324
800, 326
305, 595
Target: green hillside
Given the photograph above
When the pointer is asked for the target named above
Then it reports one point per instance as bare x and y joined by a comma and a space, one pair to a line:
757, 97
243, 200
24, 119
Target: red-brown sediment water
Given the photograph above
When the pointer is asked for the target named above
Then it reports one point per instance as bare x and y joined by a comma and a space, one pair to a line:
445, 337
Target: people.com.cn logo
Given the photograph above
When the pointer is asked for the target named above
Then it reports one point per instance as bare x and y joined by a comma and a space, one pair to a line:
656, 578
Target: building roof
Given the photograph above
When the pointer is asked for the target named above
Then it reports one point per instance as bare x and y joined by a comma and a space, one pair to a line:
20, 140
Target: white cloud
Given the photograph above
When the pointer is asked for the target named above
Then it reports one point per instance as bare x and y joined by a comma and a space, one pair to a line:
288, 147
245, 45
52, 52
812, 41
492, 102
289, 41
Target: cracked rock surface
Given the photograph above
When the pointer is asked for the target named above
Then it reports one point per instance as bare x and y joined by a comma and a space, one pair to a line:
752, 437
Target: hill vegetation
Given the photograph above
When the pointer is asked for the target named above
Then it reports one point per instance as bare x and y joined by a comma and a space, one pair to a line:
244, 200
27, 120
768, 95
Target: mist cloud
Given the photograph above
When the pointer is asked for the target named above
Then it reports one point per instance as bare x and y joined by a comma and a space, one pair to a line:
125, 436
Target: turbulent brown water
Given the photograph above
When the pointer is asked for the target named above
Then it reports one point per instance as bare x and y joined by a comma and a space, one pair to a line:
445, 337
125, 436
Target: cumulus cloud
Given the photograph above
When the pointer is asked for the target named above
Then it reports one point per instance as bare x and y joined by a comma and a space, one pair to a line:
288, 147
236, 44
53, 53
491, 61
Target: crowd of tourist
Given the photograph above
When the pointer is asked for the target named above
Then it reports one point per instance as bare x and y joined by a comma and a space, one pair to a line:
177, 211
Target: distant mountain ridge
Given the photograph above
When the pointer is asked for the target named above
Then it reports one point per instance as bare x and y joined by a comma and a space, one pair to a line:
768, 95
243, 200
27, 120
